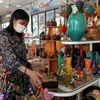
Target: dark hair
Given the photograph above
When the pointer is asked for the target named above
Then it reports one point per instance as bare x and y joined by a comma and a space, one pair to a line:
17, 14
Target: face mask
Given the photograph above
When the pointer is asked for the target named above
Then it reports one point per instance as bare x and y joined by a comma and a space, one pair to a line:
19, 28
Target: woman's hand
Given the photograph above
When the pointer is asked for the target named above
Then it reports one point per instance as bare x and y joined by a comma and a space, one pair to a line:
35, 77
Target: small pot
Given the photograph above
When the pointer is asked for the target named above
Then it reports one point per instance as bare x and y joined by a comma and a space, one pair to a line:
54, 37
47, 37
44, 54
40, 53
42, 37
51, 55
58, 37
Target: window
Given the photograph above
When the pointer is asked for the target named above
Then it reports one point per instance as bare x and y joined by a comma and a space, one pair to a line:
35, 25
50, 15
4, 25
41, 22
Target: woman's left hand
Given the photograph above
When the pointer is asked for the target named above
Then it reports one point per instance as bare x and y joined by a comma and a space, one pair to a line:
36, 77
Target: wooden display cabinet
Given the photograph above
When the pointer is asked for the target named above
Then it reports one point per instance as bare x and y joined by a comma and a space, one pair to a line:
50, 47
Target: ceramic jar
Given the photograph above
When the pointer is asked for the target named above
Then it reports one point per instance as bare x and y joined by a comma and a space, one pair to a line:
79, 4
90, 54
76, 26
78, 64
75, 53
69, 68
87, 69
93, 65
95, 61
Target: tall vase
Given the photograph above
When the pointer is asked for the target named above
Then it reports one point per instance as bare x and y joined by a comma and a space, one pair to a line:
59, 70
93, 32
59, 62
76, 26
75, 53
87, 69
78, 74
93, 65
90, 54
78, 66
69, 68
90, 20
81, 54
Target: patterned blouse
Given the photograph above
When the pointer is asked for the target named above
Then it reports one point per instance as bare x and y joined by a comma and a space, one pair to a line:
13, 52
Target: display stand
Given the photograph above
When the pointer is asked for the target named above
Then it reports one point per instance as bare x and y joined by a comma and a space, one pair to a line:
62, 90
50, 47
69, 42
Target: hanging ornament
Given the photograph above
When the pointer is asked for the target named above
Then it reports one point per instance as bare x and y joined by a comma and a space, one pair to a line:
64, 12
60, 27
64, 27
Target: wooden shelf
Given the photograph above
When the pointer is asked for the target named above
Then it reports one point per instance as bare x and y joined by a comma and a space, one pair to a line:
50, 47
50, 58
51, 26
50, 40
80, 42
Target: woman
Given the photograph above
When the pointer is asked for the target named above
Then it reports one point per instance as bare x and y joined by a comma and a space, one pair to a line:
13, 52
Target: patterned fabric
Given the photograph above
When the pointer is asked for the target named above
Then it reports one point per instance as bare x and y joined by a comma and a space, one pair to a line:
13, 51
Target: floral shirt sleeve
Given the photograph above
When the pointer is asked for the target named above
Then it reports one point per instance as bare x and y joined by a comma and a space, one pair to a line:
9, 56
10, 59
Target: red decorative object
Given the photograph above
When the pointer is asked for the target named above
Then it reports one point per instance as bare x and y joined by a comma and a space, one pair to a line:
78, 75
88, 70
93, 32
90, 20
60, 28
64, 27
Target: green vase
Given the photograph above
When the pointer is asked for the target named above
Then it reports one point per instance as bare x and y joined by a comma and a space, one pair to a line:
89, 55
76, 26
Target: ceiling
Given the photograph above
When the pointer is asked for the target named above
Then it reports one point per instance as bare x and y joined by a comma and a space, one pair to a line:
4, 10
3, 6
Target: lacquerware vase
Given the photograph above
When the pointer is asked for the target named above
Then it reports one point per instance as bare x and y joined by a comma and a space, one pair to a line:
79, 4
69, 68
93, 65
78, 65
90, 54
82, 56
60, 28
93, 32
90, 20
75, 53
76, 26
87, 69
59, 72
90, 10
